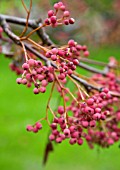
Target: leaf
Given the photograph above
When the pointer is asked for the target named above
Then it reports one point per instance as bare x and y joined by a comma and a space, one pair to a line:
52, 2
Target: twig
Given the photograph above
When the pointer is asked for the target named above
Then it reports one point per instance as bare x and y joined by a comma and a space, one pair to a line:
100, 63
32, 24
28, 15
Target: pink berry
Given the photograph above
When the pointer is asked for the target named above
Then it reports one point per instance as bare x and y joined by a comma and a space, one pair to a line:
76, 61
110, 141
66, 22
62, 136
25, 66
53, 19
38, 125
66, 132
28, 76
56, 6
44, 83
24, 81
71, 43
50, 13
72, 141
29, 128
52, 137
72, 129
92, 123
88, 138
66, 14
55, 132
63, 126
59, 140
54, 50
1, 30
85, 124
47, 21
29, 85
84, 47
35, 130
75, 134
40, 77
54, 57
48, 54
42, 89
70, 72
86, 53
31, 62
97, 110
62, 7
71, 21
80, 141
96, 116
19, 80
61, 76
78, 47
61, 110
35, 90
60, 4
61, 53
50, 78
118, 116
90, 101
53, 125
61, 120
106, 90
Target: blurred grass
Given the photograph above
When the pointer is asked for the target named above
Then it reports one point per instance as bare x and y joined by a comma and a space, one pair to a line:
24, 151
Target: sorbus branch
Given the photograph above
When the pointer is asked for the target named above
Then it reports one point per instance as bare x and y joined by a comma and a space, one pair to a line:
91, 110
16, 39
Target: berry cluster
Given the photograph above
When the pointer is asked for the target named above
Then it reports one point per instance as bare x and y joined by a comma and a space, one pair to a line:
35, 128
89, 114
16, 69
67, 58
54, 21
104, 136
93, 119
109, 81
38, 74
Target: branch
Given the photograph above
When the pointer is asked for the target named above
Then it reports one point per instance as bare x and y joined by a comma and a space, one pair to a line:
32, 24
92, 69
46, 40
16, 39
100, 63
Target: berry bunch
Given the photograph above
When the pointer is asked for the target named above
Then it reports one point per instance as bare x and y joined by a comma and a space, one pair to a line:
16, 69
67, 58
35, 128
109, 81
54, 21
94, 114
38, 74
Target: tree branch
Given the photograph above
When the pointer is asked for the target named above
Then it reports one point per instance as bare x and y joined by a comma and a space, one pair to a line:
100, 63
32, 24
45, 38
16, 39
